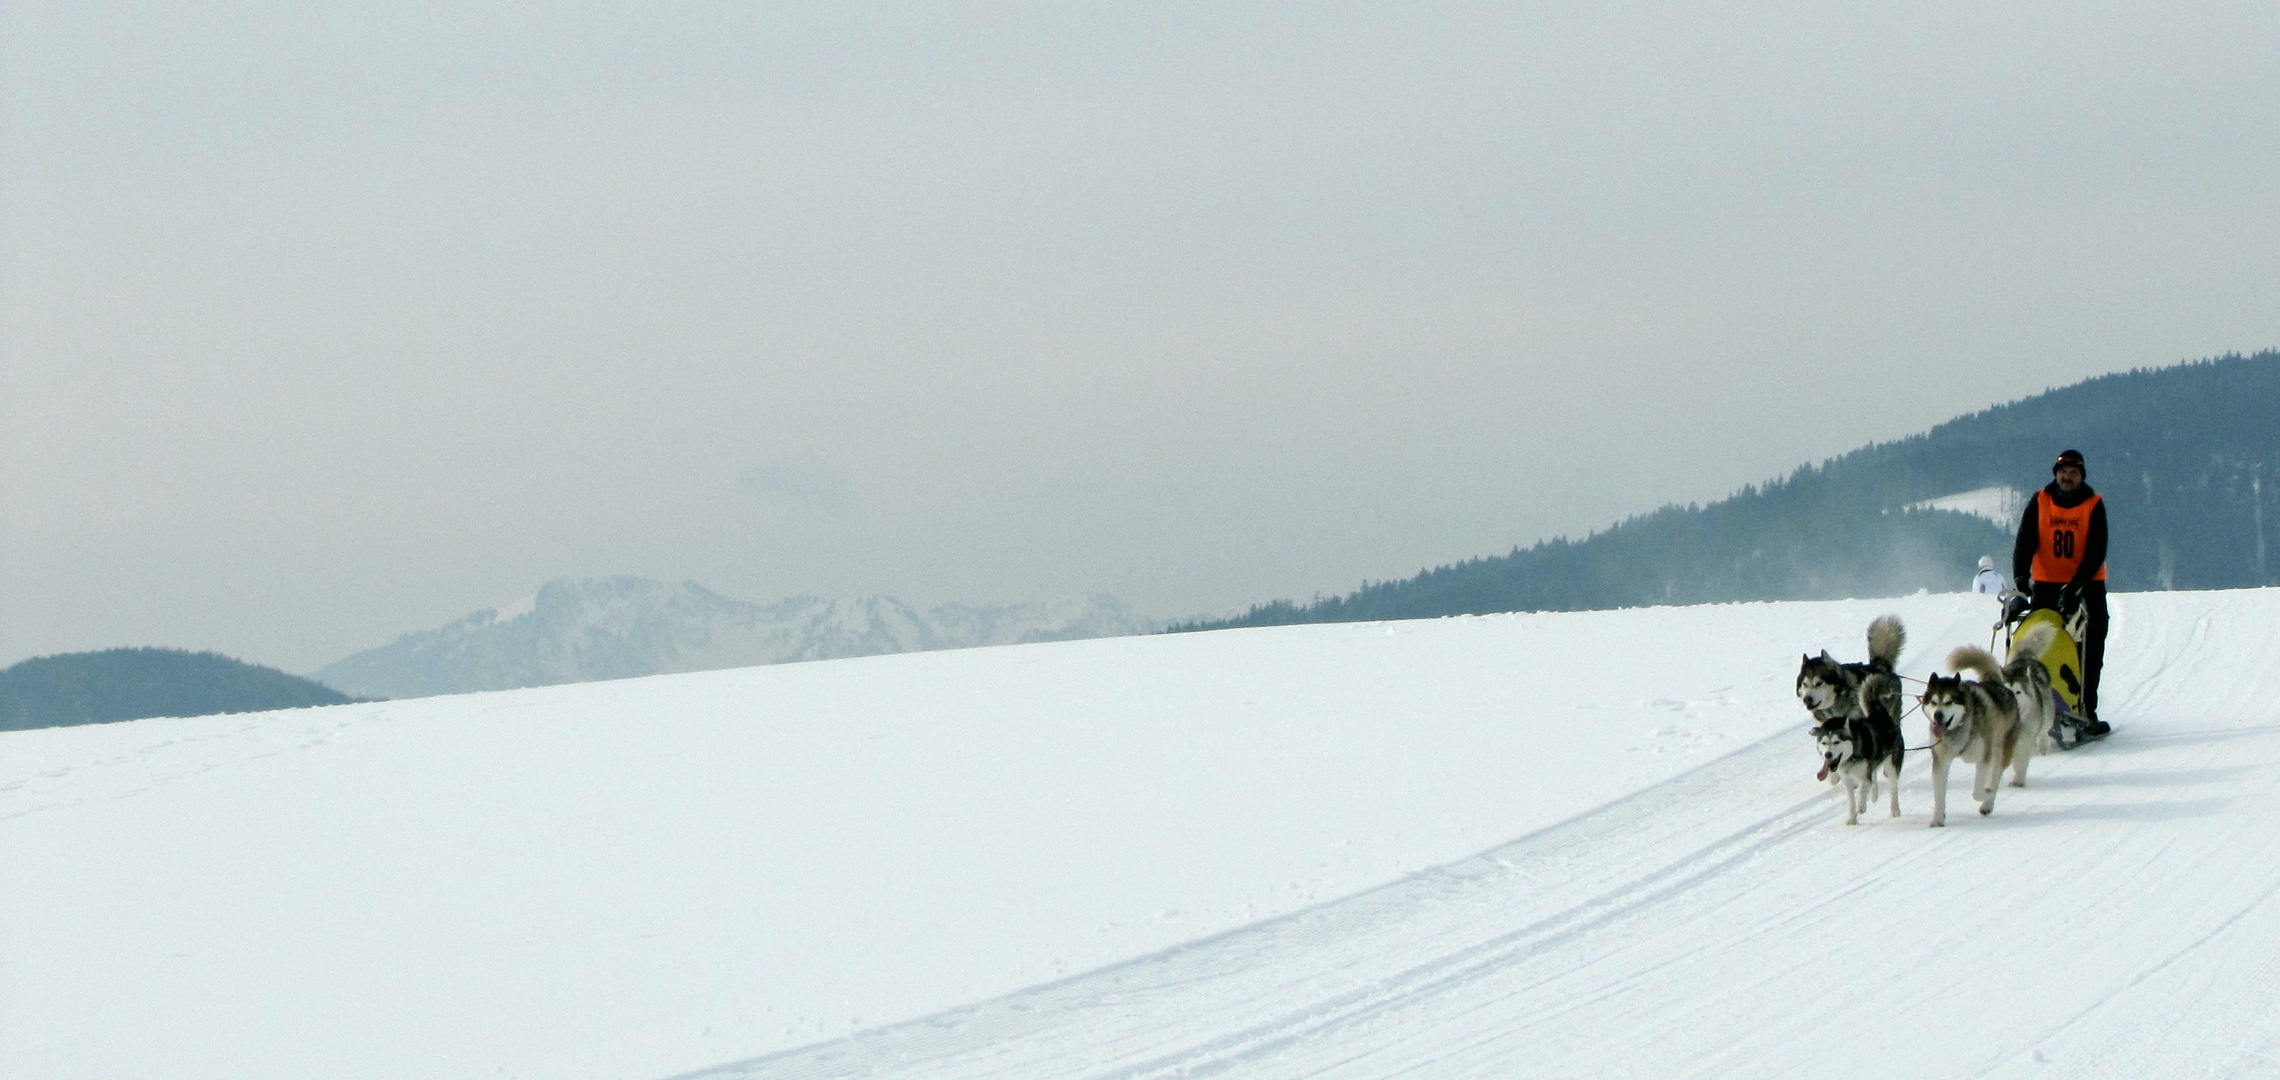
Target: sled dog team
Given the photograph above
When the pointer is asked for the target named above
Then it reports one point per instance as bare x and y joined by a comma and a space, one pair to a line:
1995, 721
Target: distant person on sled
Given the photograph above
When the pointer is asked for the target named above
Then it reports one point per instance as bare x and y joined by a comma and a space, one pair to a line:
2059, 562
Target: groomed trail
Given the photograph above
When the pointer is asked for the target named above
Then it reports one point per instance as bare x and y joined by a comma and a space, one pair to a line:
1546, 845
2115, 918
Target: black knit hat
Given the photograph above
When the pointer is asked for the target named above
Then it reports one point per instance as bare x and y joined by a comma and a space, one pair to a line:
2066, 458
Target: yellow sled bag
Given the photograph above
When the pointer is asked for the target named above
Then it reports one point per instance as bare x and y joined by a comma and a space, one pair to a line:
2061, 658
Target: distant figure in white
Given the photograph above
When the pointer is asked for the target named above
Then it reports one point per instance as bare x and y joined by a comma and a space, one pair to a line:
1990, 580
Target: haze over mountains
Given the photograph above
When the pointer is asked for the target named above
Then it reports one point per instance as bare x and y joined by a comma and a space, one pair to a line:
2187, 457
2182, 455
579, 630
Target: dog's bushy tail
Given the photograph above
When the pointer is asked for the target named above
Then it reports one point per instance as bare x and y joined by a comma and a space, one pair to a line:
1886, 637
1974, 659
1879, 698
2027, 649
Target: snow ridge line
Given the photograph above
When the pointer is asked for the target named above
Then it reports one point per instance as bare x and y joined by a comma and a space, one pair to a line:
994, 1035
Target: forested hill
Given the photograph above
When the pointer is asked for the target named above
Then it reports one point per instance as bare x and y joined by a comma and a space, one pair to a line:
2187, 457
129, 684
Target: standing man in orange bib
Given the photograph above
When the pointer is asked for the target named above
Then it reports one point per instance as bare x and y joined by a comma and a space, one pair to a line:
2060, 562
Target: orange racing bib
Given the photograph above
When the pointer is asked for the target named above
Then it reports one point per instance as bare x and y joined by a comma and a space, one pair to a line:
2058, 551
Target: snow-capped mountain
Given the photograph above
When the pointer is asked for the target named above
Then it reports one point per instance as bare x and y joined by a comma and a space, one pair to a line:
580, 630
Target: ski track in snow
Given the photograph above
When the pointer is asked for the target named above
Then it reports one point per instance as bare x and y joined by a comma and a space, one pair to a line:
2116, 917
629, 879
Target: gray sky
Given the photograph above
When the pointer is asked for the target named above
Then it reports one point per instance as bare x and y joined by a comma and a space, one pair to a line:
323, 323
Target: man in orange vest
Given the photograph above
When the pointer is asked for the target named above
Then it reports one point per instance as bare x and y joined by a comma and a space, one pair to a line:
2060, 562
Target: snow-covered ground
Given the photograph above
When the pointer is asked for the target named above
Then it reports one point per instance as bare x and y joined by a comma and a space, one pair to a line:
1549, 845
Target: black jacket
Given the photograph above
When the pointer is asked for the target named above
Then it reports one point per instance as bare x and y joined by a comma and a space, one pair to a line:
2030, 535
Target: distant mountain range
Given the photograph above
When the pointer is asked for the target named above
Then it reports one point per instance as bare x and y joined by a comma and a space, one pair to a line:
130, 684
579, 630
2182, 455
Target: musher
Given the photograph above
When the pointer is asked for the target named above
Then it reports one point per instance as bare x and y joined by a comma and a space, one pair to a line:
2059, 561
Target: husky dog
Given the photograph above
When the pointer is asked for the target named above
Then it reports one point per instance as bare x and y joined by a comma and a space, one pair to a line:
1831, 690
1854, 749
1856, 714
1980, 721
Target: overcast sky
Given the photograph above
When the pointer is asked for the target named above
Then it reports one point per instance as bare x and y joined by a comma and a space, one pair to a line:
324, 323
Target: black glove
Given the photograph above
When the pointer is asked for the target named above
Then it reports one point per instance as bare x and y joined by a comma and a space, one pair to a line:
2069, 599
2017, 608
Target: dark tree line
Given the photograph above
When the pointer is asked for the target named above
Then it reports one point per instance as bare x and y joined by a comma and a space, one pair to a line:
2187, 458
129, 684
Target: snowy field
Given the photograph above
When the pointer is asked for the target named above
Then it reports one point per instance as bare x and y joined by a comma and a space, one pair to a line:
1578, 844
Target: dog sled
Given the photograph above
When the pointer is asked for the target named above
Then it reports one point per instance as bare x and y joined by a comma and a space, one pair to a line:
2062, 658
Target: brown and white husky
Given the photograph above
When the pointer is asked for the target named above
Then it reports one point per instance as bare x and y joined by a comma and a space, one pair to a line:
1979, 720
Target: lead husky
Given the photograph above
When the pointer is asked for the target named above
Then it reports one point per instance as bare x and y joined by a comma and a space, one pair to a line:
1856, 713
1980, 720
1854, 749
